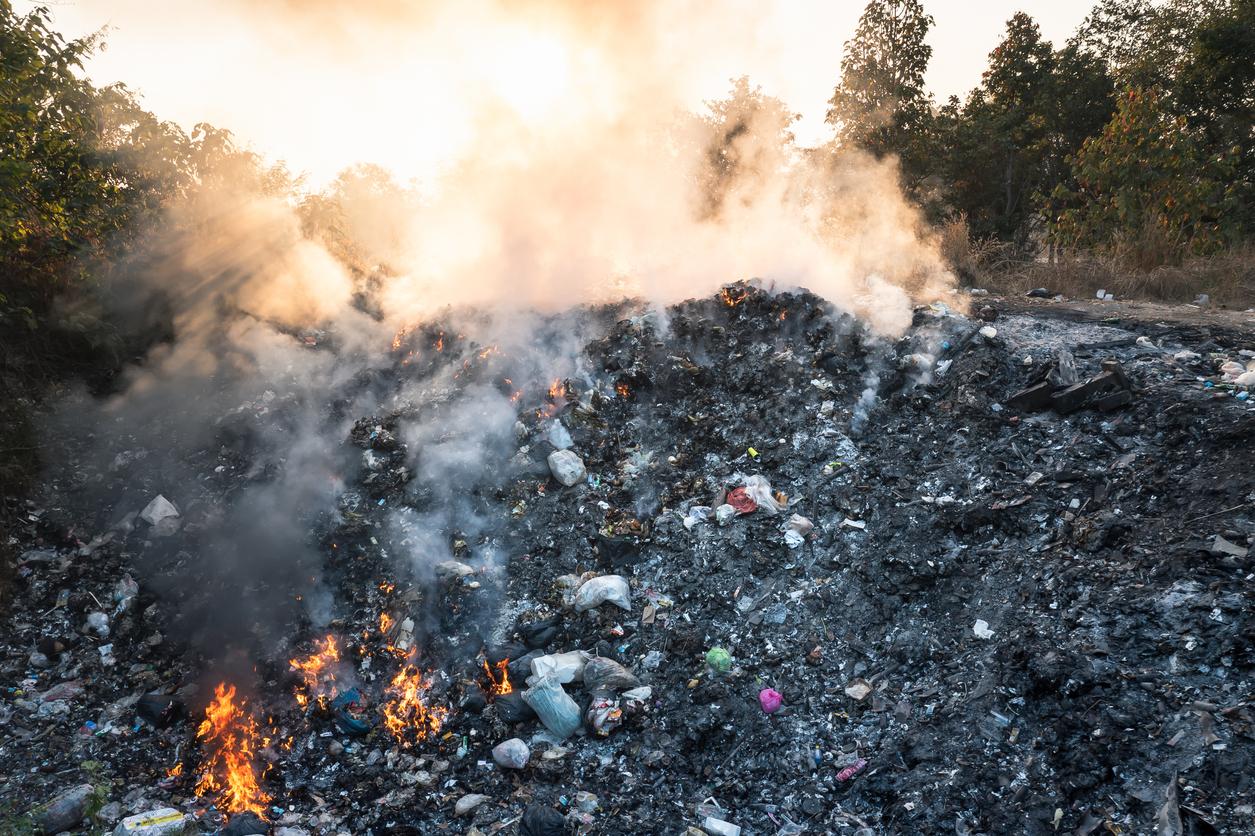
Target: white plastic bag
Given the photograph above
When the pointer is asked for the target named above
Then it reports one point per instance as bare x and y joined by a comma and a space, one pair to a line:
611, 589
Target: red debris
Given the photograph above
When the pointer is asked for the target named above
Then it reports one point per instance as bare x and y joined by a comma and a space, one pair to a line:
852, 770
742, 501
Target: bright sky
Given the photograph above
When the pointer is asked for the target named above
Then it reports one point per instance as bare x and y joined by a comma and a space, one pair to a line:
195, 61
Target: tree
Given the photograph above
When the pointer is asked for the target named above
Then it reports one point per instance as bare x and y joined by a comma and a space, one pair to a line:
996, 150
1146, 189
880, 104
748, 140
1214, 89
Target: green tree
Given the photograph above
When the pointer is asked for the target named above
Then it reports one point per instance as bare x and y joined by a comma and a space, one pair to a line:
1214, 89
998, 145
880, 104
1003, 152
1146, 189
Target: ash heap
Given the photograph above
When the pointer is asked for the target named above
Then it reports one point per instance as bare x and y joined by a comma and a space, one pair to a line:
738, 566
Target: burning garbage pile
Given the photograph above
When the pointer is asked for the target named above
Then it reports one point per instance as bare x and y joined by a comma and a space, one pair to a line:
741, 566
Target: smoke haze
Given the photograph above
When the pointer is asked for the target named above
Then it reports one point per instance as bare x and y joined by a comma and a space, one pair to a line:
573, 174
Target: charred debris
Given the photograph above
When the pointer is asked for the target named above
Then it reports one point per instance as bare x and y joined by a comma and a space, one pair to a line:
751, 570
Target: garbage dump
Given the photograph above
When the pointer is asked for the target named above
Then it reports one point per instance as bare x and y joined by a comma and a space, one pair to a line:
745, 567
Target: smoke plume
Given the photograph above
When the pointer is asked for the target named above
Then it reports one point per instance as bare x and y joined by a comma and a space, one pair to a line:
579, 175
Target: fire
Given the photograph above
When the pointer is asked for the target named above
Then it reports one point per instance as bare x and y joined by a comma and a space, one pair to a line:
230, 738
623, 390
385, 622
733, 296
406, 714
557, 389
175, 771
317, 671
499, 682
440, 342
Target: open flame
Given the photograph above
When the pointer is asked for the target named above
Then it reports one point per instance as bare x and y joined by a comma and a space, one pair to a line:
733, 296
406, 713
230, 740
498, 679
317, 672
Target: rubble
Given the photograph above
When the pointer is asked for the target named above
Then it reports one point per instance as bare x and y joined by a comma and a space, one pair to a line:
1023, 622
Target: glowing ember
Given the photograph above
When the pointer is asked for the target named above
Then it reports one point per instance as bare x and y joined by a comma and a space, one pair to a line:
499, 681
317, 672
623, 390
733, 296
440, 342
406, 714
230, 739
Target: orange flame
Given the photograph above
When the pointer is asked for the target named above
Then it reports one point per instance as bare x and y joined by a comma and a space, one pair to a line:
385, 622
623, 390
406, 714
317, 672
440, 342
231, 739
733, 296
174, 771
499, 682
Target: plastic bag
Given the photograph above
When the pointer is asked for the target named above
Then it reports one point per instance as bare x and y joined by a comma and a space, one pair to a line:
555, 708
759, 490
601, 674
563, 667
605, 589
511, 754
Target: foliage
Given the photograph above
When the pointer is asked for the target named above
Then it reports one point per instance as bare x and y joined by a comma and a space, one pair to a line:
1146, 184
84, 171
748, 138
1008, 145
880, 104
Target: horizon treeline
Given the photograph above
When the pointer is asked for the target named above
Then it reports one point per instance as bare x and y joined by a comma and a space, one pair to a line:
1133, 141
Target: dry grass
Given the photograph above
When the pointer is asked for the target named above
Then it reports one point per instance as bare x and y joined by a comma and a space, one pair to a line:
1227, 277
